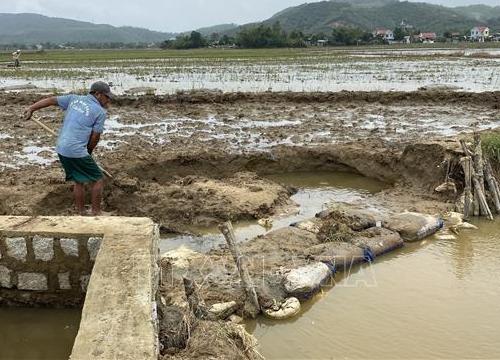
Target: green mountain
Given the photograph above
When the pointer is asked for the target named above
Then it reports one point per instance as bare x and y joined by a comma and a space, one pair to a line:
325, 15
481, 13
30, 29
222, 28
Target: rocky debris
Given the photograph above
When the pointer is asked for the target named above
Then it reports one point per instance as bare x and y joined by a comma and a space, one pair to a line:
303, 282
414, 226
287, 309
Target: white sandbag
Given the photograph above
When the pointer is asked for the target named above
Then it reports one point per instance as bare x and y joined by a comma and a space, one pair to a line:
414, 226
303, 282
289, 308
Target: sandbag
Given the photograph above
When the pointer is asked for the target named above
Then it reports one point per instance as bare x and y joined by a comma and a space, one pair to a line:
305, 281
340, 254
378, 240
311, 225
414, 226
356, 217
289, 308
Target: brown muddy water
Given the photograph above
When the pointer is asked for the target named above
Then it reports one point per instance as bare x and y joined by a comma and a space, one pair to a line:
429, 300
37, 334
315, 191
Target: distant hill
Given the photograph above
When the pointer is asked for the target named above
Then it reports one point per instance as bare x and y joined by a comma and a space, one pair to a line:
30, 29
479, 12
207, 31
325, 15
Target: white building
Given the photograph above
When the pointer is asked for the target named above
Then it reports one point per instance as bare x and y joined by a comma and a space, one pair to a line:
387, 35
480, 33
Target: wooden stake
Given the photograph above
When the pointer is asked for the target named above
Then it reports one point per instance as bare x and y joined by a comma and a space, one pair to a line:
478, 161
465, 148
466, 163
492, 184
483, 204
228, 232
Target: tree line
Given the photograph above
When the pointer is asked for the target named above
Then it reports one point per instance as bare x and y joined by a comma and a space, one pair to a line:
273, 36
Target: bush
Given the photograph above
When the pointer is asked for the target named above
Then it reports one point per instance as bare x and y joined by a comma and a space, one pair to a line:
491, 146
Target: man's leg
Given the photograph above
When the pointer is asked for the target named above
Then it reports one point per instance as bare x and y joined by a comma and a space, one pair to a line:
79, 192
97, 197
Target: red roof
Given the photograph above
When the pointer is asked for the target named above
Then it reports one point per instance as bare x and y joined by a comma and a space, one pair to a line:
428, 35
482, 29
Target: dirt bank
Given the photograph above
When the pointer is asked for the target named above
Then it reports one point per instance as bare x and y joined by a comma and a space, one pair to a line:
200, 158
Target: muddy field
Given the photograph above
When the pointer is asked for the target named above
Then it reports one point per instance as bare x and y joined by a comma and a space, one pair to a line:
196, 158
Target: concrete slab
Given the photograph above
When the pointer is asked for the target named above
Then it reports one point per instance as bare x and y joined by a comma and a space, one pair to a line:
119, 314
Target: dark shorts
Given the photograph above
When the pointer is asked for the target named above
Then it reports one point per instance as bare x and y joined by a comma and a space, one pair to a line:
81, 170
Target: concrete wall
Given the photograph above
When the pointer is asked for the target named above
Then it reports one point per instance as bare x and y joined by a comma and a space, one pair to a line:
48, 261
46, 270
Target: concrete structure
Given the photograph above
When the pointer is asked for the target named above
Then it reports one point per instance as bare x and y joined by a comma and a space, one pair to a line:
44, 258
427, 37
385, 34
480, 33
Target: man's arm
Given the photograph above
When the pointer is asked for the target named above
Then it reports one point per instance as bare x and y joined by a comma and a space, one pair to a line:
50, 101
94, 139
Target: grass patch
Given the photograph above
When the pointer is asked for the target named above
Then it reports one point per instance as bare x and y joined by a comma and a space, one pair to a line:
491, 145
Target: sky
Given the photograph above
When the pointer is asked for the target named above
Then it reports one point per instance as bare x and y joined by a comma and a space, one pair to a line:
170, 15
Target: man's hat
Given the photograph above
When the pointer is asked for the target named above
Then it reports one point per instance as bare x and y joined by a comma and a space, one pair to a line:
103, 88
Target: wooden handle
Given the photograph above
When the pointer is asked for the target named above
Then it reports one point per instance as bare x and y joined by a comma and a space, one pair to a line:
49, 130
35, 119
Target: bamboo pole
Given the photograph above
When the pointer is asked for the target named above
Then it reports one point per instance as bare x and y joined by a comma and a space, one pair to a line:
465, 148
483, 204
228, 232
468, 198
492, 184
478, 160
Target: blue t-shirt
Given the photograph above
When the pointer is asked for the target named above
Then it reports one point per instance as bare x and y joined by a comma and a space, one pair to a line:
84, 115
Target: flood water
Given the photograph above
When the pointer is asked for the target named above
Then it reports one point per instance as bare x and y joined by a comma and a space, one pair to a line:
429, 300
37, 334
316, 190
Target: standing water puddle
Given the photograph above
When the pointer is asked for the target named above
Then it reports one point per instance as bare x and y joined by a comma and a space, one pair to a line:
316, 189
428, 300
38, 334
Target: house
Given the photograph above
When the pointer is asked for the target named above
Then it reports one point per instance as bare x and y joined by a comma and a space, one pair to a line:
427, 37
321, 42
385, 34
480, 33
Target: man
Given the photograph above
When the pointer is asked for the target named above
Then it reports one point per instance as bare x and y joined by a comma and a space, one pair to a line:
78, 137
15, 57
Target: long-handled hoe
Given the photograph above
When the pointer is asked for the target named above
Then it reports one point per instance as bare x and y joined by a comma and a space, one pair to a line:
52, 132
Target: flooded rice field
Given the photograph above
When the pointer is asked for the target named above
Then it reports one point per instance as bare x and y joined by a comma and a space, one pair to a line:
299, 70
38, 334
434, 299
